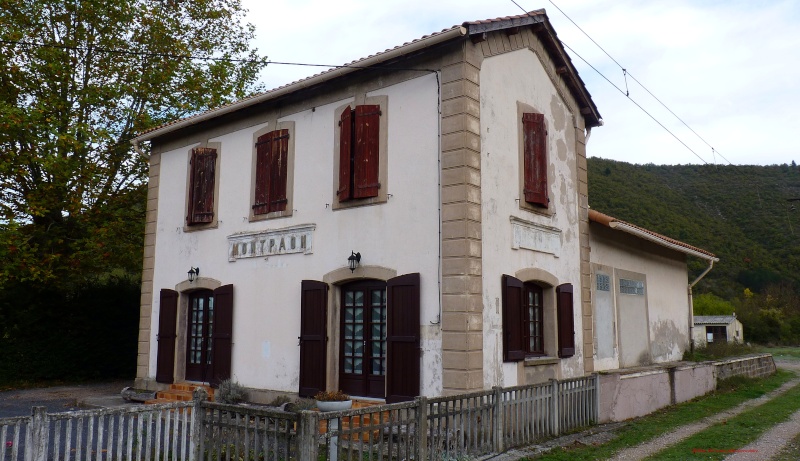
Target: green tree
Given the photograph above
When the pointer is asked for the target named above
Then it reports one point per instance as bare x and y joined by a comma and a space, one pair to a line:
78, 79
711, 304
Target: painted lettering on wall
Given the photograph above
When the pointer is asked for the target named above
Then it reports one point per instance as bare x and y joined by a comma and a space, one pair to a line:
288, 240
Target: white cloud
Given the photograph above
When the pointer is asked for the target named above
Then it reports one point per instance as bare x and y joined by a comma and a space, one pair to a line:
728, 68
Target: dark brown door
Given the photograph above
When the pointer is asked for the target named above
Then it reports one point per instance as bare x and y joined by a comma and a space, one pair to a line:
403, 339
221, 335
199, 342
167, 321
362, 354
313, 324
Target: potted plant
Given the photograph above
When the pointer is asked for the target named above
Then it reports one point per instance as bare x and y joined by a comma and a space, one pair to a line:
333, 401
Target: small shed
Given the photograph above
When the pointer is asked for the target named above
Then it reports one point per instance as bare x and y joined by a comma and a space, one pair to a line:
717, 328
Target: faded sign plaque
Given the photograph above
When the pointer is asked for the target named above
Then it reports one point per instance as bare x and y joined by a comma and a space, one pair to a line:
288, 240
532, 236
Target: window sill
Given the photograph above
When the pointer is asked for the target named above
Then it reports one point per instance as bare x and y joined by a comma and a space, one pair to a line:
271, 215
536, 361
198, 227
359, 202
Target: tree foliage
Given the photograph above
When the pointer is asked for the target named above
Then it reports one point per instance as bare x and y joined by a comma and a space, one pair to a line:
78, 79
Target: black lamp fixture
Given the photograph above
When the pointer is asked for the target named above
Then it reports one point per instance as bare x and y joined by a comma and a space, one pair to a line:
193, 273
353, 260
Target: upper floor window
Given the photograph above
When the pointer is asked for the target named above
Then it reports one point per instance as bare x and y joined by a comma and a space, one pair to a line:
359, 146
202, 186
272, 151
534, 136
272, 174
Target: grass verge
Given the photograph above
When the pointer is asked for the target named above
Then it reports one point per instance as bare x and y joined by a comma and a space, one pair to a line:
649, 427
780, 352
717, 441
716, 351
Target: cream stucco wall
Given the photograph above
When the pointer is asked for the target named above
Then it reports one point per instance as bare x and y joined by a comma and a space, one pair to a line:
401, 234
666, 300
508, 82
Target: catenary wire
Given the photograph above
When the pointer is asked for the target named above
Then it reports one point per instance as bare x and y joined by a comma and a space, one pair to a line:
626, 72
624, 93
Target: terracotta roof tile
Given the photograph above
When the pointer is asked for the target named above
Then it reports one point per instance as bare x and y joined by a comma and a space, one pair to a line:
606, 220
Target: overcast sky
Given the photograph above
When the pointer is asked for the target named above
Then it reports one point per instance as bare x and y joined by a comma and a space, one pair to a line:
729, 69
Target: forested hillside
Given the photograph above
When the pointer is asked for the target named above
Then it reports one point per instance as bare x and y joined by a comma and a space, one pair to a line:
743, 214
749, 216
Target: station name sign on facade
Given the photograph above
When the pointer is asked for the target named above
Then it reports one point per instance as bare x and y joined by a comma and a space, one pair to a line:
289, 240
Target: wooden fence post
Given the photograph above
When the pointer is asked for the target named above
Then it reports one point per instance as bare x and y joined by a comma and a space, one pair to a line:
422, 428
307, 435
38, 438
554, 407
499, 420
197, 437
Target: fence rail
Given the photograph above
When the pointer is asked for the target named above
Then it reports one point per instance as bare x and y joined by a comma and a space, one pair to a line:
451, 427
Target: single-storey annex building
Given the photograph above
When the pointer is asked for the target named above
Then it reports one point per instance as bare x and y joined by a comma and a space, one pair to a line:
416, 224
710, 329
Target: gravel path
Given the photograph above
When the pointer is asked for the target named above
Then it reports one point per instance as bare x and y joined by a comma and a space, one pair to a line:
770, 443
654, 446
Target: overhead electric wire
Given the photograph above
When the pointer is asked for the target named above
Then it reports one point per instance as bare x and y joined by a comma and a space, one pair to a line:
207, 58
628, 73
623, 92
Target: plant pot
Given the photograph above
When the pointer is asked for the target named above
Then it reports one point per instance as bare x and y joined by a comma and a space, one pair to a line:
336, 405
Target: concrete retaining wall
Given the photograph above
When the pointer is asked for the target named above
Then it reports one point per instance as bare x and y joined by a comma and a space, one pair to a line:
630, 394
753, 367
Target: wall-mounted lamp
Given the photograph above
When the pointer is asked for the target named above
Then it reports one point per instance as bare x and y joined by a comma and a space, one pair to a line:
353, 260
193, 273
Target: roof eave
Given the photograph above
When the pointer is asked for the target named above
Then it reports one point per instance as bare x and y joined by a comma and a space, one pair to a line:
455, 32
633, 230
539, 20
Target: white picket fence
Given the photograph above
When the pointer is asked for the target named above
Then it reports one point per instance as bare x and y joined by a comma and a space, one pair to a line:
452, 427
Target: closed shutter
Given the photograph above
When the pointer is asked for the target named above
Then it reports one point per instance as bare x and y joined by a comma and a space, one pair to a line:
313, 334
403, 354
167, 321
367, 127
513, 348
263, 151
534, 136
278, 170
201, 189
345, 157
222, 335
566, 321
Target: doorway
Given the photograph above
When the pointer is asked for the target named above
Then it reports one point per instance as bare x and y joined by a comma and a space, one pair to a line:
362, 354
200, 328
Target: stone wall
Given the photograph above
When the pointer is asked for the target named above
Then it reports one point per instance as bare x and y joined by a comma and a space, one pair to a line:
754, 366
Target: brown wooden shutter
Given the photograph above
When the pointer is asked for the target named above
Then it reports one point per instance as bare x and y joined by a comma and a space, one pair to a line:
263, 150
403, 353
513, 349
313, 335
367, 127
222, 335
566, 321
201, 189
534, 135
278, 170
167, 321
345, 154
